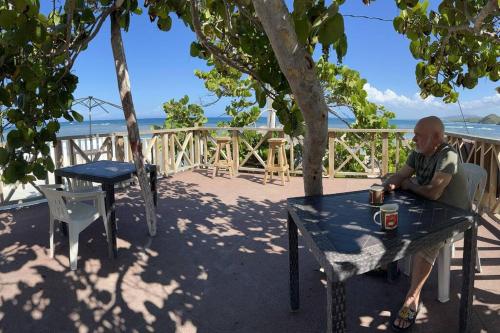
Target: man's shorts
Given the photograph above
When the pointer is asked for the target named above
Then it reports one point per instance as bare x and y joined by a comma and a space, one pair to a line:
430, 253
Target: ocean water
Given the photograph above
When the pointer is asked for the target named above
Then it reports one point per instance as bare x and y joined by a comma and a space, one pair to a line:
118, 125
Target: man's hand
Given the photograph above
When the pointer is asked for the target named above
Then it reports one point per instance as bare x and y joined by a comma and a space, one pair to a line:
395, 180
389, 187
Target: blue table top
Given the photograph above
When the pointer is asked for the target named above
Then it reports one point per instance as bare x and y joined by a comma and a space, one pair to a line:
101, 171
341, 228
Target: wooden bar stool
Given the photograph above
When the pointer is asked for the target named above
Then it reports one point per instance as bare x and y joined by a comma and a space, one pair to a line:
223, 142
277, 145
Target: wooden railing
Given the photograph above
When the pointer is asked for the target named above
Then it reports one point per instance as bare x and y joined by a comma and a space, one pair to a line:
485, 153
350, 152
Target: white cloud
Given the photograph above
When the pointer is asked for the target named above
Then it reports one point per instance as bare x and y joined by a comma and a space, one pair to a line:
407, 107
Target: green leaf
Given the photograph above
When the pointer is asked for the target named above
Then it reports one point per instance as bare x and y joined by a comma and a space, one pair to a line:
4, 156
39, 171
341, 47
164, 24
261, 99
194, 50
331, 30
88, 16
415, 48
49, 164
14, 139
302, 28
301, 6
7, 19
5, 97
78, 117
53, 126
398, 24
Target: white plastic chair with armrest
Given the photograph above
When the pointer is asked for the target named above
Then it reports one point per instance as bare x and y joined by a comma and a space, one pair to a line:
65, 206
476, 182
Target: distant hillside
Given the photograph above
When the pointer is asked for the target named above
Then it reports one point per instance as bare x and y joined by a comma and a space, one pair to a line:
489, 119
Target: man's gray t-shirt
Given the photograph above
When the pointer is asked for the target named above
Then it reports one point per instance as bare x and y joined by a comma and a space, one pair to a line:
445, 160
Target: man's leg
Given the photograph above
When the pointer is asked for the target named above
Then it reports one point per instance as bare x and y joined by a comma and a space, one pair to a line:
422, 265
421, 269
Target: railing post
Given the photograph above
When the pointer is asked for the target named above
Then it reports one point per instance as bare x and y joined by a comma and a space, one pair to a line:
191, 150
172, 152
292, 156
109, 148
157, 151
492, 178
164, 151
385, 154
236, 152
71, 154
397, 151
373, 148
331, 154
120, 148
481, 157
58, 154
197, 157
205, 148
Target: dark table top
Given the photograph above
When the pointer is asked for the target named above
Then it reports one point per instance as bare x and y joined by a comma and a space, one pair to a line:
101, 171
340, 231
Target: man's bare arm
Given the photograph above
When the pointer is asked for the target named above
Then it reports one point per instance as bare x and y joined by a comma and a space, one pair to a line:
433, 190
394, 181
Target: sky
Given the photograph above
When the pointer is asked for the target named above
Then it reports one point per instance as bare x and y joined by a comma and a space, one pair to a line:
161, 68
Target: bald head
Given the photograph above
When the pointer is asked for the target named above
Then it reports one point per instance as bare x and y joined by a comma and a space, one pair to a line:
429, 134
434, 124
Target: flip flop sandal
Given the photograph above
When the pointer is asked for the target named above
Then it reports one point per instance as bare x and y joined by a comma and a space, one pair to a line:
405, 314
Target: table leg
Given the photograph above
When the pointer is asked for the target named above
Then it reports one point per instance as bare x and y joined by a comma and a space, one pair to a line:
152, 181
293, 252
110, 211
468, 270
392, 272
62, 225
335, 307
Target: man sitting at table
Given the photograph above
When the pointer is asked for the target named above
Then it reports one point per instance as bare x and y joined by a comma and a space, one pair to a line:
432, 171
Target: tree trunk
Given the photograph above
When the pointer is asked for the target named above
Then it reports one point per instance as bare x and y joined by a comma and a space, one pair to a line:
298, 68
132, 127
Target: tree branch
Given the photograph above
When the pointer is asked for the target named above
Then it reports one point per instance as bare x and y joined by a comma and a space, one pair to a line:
217, 53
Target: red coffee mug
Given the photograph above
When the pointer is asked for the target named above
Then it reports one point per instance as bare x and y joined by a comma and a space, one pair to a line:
388, 217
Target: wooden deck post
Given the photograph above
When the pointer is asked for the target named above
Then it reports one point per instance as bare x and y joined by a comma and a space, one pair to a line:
165, 153
191, 150
120, 149
157, 151
492, 179
331, 154
205, 148
197, 157
58, 154
397, 152
236, 152
385, 154
71, 154
373, 149
172, 152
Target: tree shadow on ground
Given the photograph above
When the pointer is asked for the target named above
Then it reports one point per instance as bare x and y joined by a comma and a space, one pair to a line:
214, 266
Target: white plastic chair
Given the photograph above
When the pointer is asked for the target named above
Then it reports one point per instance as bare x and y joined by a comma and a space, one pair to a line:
476, 182
65, 206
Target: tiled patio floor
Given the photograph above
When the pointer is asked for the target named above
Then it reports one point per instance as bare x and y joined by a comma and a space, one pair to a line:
218, 264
